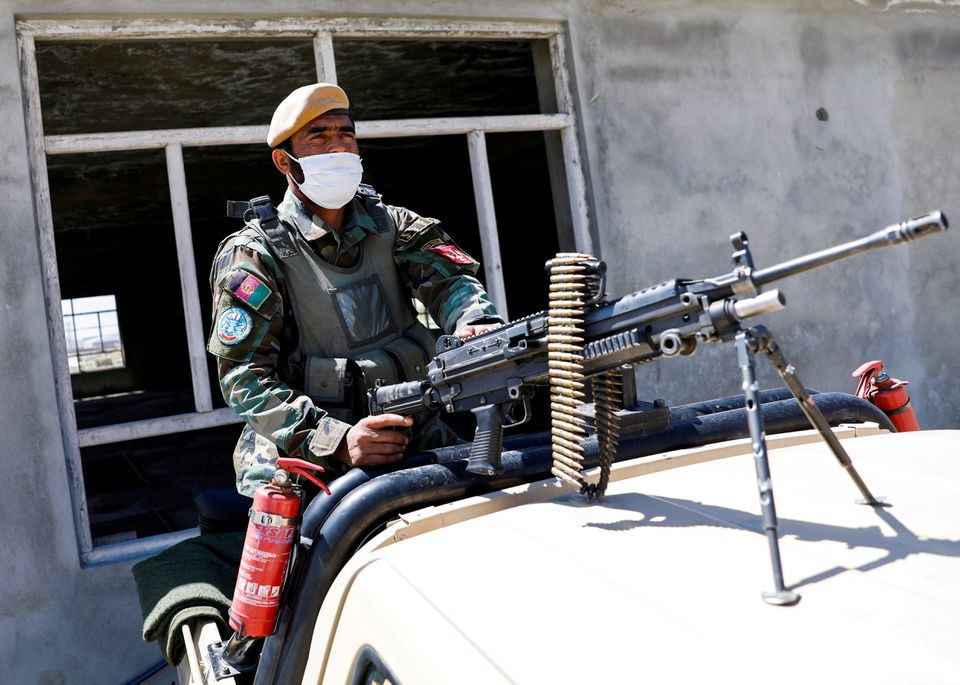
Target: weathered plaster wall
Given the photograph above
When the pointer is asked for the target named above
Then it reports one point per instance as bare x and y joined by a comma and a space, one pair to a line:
698, 119
701, 121
49, 632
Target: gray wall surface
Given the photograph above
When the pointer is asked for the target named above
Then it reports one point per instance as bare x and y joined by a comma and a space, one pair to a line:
702, 121
697, 119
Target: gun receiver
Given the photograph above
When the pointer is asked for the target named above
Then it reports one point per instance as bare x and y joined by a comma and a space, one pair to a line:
494, 374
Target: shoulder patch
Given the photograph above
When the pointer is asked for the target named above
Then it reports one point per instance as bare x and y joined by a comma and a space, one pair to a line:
248, 288
451, 252
233, 326
406, 236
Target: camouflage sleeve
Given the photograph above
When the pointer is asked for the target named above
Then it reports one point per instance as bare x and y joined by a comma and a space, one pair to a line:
439, 273
247, 330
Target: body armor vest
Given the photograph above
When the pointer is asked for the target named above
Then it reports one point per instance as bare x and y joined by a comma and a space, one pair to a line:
356, 325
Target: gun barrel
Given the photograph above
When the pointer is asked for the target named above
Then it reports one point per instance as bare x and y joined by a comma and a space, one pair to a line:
934, 222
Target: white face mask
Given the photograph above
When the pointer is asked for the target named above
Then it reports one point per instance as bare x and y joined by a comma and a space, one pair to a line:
330, 179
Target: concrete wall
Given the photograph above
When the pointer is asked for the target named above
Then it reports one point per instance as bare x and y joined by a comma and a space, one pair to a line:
698, 119
702, 121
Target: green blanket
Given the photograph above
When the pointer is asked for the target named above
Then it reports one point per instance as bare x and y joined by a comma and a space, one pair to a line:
193, 579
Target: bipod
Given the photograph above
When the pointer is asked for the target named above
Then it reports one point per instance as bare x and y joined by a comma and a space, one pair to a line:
749, 341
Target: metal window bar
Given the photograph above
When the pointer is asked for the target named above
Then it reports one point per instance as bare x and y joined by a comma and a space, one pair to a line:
487, 220
322, 33
189, 291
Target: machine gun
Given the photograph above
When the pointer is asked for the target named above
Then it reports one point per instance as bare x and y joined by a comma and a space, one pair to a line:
494, 374
584, 335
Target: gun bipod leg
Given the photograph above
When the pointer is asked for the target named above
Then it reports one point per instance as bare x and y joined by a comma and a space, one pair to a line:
767, 345
747, 346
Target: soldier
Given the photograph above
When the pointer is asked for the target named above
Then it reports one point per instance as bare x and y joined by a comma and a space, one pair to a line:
312, 304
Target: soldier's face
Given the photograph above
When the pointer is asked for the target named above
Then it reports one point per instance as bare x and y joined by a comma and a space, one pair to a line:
327, 133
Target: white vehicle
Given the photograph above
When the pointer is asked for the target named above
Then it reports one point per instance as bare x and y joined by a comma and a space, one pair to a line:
659, 582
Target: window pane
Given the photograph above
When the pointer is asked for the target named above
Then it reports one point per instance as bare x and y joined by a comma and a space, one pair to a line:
417, 78
110, 332
115, 245
108, 319
117, 86
145, 487
88, 332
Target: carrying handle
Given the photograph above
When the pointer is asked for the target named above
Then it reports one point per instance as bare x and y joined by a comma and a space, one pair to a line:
303, 468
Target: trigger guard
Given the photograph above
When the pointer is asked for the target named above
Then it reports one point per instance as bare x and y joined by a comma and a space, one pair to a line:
506, 415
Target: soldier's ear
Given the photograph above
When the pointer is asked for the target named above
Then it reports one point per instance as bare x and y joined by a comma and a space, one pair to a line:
281, 161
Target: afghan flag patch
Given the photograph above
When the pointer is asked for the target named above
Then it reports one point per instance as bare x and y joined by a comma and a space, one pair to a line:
453, 253
248, 288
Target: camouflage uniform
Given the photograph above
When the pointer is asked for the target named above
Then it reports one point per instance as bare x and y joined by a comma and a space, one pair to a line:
267, 392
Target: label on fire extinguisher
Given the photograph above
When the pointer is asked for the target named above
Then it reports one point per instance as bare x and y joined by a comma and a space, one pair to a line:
263, 566
281, 535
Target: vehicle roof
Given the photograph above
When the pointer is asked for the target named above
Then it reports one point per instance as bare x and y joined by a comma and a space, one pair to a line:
663, 578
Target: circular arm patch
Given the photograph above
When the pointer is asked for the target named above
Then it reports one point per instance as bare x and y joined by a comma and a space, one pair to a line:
233, 326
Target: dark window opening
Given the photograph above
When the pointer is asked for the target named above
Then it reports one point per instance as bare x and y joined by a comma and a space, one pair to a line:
410, 79
525, 217
147, 487
114, 234
430, 176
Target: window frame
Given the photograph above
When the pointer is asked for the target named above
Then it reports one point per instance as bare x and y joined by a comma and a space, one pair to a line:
322, 31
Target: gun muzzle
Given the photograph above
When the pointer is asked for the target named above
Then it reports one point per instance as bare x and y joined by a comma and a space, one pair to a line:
928, 224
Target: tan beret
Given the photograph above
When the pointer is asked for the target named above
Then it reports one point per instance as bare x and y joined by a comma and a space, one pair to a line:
302, 105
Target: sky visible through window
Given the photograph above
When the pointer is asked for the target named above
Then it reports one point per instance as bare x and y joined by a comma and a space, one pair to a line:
92, 333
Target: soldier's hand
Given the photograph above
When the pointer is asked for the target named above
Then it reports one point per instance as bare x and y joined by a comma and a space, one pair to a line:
372, 441
467, 331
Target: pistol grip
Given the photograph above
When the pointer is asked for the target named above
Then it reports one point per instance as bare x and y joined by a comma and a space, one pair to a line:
487, 441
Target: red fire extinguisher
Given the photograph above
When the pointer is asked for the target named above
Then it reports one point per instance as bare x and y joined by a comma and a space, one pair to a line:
889, 394
274, 519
